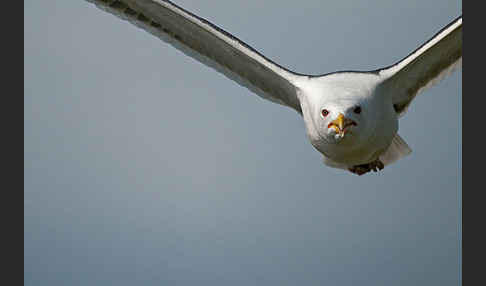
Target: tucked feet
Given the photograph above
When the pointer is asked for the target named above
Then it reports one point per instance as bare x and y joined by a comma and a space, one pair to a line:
376, 165
365, 168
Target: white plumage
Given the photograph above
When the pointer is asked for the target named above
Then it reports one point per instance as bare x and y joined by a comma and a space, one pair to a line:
350, 117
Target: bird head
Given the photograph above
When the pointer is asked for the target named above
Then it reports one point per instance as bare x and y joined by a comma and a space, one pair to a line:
345, 111
341, 121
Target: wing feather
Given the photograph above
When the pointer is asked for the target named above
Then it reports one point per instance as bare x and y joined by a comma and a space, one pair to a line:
210, 45
425, 66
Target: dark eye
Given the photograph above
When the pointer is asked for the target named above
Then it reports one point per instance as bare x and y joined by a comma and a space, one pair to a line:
325, 112
357, 109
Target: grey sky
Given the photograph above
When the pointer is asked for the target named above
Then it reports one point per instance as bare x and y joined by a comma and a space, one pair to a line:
144, 167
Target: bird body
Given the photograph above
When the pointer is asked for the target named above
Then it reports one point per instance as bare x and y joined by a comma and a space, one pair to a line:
351, 117
341, 93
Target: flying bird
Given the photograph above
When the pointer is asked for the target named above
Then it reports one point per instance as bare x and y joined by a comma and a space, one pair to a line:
351, 117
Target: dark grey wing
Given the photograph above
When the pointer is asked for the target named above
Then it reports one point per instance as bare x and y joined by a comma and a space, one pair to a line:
425, 66
210, 45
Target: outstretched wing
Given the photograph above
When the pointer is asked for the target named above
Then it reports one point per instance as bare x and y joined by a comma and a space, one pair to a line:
425, 66
210, 45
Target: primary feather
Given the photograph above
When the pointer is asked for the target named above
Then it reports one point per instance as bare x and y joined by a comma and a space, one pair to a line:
210, 45
425, 66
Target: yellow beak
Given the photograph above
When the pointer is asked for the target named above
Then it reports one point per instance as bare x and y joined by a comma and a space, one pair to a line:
340, 123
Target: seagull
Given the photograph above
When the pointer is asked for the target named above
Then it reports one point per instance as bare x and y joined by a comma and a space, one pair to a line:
351, 117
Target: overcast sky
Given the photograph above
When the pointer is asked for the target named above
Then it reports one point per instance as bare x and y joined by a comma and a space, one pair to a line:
145, 167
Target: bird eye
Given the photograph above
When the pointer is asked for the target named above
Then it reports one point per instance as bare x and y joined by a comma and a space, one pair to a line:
357, 110
325, 112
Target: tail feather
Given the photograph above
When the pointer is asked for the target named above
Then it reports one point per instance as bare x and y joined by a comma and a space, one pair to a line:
397, 149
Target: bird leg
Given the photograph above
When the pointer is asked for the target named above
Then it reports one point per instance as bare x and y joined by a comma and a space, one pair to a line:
365, 168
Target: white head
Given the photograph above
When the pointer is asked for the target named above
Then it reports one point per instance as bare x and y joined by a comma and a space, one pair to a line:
343, 110
345, 121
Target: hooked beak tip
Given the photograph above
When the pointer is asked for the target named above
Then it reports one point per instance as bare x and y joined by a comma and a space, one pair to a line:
340, 124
